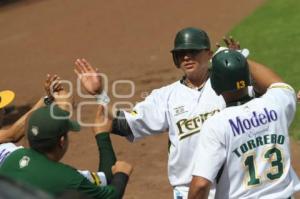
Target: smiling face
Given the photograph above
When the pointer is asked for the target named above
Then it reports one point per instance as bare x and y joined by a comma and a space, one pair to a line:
193, 62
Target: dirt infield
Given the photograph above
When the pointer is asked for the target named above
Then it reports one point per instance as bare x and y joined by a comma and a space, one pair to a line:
127, 40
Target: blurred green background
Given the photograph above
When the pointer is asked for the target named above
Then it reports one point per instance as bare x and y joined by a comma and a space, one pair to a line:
272, 34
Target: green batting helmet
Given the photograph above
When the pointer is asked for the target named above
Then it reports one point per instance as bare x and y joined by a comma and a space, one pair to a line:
229, 72
190, 39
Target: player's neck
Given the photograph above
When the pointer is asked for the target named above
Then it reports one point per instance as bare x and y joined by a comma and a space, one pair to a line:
196, 81
54, 155
236, 98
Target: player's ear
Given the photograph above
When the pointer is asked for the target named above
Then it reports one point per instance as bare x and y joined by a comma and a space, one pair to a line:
210, 53
63, 141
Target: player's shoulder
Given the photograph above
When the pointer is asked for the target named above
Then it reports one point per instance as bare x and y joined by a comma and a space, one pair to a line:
280, 89
7, 146
167, 90
219, 120
170, 87
61, 170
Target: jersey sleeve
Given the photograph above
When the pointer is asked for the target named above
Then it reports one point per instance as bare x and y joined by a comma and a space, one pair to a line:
148, 117
97, 178
210, 153
108, 192
285, 96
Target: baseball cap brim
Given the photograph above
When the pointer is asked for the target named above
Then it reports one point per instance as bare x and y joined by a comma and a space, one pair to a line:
189, 46
6, 97
74, 126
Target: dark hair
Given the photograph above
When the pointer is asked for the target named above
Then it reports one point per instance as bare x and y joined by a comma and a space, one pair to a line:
46, 146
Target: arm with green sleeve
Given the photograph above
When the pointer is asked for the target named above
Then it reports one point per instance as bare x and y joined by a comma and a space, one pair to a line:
117, 180
117, 172
107, 156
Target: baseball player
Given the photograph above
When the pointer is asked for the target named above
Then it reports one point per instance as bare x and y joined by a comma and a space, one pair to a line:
10, 136
179, 108
48, 141
13, 134
245, 147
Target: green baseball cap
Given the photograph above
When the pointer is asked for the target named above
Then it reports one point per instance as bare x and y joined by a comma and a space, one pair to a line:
48, 123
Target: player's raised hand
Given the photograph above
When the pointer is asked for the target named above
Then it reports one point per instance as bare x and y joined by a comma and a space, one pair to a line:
298, 96
56, 92
230, 43
88, 76
103, 122
52, 84
122, 166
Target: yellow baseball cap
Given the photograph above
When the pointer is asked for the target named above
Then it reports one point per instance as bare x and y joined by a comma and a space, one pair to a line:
6, 97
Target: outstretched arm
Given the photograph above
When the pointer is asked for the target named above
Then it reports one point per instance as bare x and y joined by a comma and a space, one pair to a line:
262, 76
92, 83
101, 130
89, 76
17, 130
117, 172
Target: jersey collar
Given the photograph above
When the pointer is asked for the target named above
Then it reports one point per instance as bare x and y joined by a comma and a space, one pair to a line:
241, 101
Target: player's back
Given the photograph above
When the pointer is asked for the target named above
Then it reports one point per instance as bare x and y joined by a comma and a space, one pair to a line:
258, 163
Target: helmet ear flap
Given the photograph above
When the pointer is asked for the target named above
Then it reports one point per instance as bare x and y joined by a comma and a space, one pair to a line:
175, 60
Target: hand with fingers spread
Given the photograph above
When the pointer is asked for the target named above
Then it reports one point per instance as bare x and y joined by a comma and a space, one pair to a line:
88, 76
233, 45
230, 43
52, 85
56, 92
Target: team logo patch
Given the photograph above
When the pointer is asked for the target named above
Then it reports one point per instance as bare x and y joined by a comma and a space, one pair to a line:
35, 130
24, 162
179, 110
133, 113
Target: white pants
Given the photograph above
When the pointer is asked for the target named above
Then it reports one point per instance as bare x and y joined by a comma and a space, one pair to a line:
181, 192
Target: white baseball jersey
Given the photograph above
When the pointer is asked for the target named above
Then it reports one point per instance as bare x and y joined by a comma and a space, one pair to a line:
250, 145
181, 111
6, 149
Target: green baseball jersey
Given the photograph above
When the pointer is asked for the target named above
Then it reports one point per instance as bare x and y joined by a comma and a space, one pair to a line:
35, 169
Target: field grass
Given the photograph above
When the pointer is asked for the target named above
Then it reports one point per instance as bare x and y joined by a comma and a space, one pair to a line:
272, 34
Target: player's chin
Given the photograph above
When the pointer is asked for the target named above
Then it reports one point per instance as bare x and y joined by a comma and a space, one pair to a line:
190, 70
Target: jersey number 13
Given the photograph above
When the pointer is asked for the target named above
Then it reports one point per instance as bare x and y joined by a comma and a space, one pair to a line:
272, 155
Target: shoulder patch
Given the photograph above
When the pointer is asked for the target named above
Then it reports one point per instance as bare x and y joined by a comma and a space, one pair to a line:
133, 113
24, 162
282, 86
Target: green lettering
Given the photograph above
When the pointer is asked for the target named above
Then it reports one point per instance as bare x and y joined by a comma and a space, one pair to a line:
259, 141
251, 144
244, 148
237, 153
273, 138
280, 139
267, 139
